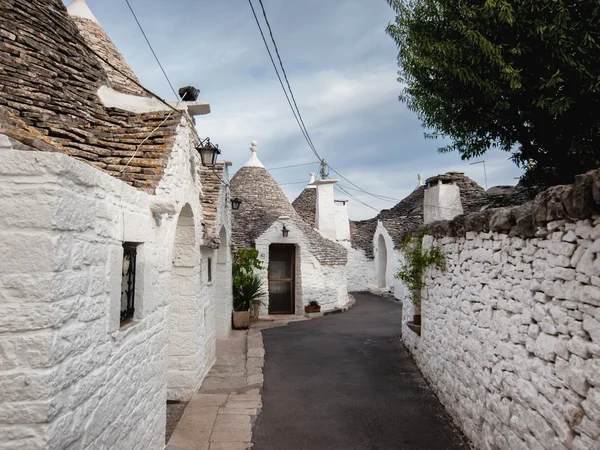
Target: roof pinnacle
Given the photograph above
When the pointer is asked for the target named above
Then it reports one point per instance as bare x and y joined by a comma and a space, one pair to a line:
253, 161
79, 8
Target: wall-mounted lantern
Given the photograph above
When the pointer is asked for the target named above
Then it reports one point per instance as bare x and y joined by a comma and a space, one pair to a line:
285, 231
208, 152
235, 203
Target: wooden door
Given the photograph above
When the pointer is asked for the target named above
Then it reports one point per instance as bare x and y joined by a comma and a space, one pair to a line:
282, 278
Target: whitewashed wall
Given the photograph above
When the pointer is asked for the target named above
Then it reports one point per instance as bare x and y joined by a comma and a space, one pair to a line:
314, 281
386, 258
69, 376
511, 336
360, 271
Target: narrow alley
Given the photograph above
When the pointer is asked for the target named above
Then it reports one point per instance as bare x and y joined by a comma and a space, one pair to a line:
344, 381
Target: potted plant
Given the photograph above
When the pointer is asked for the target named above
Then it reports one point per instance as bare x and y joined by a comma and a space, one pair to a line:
247, 286
312, 307
412, 272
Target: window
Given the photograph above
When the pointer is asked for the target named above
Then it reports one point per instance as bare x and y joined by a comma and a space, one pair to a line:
128, 281
209, 269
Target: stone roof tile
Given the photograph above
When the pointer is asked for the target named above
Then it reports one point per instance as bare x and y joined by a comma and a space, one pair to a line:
49, 84
263, 202
306, 205
212, 186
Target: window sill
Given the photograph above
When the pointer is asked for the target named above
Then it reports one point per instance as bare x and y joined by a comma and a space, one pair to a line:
127, 324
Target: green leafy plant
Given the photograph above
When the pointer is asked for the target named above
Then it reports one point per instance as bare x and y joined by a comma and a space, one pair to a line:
416, 261
247, 286
313, 303
520, 76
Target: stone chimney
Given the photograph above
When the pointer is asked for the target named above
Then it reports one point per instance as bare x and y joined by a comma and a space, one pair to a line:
442, 198
325, 217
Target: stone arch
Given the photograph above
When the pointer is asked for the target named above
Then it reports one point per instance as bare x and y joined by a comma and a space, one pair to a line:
381, 262
222, 291
185, 340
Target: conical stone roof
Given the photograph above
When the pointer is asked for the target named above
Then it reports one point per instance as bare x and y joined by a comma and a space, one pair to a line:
306, 205
97, 39
263, 202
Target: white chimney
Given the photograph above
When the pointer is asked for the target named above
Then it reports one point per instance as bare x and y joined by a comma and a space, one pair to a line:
326, 210
442, 198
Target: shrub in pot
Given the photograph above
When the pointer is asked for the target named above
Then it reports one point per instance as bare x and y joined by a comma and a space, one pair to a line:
247, 287
312, 307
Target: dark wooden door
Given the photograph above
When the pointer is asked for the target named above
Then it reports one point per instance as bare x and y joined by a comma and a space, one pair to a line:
282, 279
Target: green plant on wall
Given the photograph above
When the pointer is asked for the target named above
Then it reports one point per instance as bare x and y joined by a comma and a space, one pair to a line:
416, 261
247, 286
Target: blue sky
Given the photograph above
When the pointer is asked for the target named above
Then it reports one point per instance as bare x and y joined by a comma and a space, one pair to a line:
342, 68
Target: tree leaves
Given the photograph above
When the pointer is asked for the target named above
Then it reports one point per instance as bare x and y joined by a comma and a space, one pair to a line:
521, 76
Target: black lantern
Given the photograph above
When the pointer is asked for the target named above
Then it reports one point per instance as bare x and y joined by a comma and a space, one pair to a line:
208, 152
235, 203
285, 231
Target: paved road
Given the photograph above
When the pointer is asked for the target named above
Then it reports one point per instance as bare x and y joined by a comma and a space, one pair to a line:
345, 382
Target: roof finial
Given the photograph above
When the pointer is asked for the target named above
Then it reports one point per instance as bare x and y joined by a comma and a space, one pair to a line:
253, 161
79, 8
420, 177
312, 178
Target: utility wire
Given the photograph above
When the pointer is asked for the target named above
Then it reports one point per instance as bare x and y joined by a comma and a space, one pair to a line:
294, 165
355, 198
387, 199
294, 182
295, 109
280, 80
287, 81
151, 49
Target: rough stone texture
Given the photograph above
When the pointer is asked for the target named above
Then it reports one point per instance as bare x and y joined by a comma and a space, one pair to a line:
69, 375
117, 70
306, 205
407, 216
510, 336
263, 202
49, 82
213, 189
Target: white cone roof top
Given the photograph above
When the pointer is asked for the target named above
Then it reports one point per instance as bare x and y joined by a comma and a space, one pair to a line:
79, 8
253, 161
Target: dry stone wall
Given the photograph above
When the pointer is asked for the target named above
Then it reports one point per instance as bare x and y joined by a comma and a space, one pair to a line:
511, 331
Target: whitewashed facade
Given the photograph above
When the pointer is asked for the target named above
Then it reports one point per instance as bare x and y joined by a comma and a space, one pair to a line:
73, 375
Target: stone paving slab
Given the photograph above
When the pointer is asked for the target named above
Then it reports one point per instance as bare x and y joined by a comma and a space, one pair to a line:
222, 414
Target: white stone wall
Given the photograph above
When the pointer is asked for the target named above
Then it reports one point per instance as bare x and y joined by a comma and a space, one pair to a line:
360, 271
511, 337
70, 377
386, 258
314, 281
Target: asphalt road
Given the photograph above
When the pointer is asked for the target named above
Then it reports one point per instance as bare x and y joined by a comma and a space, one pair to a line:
346, 382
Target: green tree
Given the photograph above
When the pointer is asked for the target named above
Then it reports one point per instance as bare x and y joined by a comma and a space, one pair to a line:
522, 76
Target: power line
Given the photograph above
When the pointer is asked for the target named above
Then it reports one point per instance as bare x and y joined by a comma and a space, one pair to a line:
287, 81
387, 199
294, 182
355, 198
295, 165
296, 112
279, 77
151, 49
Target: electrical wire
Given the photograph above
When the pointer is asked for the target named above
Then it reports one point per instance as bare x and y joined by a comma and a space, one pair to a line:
306, 137
355, 198
151, 49
294, 165
387, 199
287, 81
294, 182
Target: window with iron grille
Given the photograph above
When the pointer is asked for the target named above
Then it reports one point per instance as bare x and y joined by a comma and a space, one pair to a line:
128, 281
209, 271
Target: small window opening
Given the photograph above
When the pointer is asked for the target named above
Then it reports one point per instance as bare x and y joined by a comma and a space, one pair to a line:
209, 269
128, 281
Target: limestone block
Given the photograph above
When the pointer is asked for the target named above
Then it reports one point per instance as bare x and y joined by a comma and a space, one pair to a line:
545, 347
592, 326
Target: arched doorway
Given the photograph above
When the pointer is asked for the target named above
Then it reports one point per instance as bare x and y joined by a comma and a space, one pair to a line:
185, 336
223, 299
381, 262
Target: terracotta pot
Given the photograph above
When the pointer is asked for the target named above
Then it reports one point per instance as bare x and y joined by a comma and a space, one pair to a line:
312, 309
241, 320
